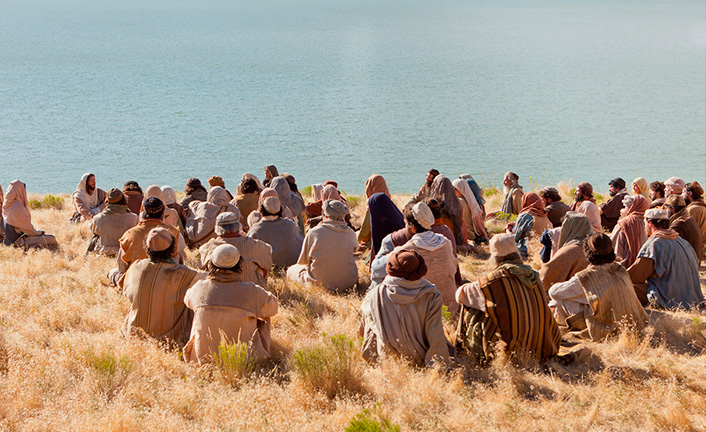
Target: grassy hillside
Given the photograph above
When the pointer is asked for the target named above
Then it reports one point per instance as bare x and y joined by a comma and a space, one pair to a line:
65, 366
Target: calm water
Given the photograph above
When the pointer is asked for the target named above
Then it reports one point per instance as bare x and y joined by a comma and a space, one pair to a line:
159, 91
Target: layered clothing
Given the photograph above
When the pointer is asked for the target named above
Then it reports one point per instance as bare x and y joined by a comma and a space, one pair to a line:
597, 299
385, 218
170, 201
171, 216
289, 199
255, 257
532, 220
201, 223
404, 317
198, 194
109, 226
473, 216
569, 258
329, 191
697, 211
512, 201
17, 225
282, 235
226, 311
689, 230
556, 211
255, 216
508, 304
591, 210
156, 293
375, 184
629, 235
87, 205
643, 188
247, 203
327, 257
270, 173
610, 210
443, 190
477, 191
134, 200
133, 243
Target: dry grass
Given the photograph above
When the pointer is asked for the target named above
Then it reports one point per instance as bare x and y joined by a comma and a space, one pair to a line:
65, 366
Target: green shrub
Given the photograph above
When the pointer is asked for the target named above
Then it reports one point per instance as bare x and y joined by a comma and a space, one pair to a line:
48, 202
112, 370
490, 191
233, 360
353, 201
445, 313
306, 191
332, 367
371, 421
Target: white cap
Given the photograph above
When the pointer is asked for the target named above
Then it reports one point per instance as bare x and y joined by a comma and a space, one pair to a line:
225, 256
502, 245
657, 214
423, 215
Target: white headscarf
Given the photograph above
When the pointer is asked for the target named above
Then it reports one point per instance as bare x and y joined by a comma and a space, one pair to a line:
89, 200
316, 189
169, 195
463, 187
15, 209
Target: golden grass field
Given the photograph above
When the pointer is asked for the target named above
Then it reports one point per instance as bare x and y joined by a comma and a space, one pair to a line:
64, 365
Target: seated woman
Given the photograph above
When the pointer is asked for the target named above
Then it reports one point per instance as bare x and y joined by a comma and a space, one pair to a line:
451, 212
597, 299
473, 219
289, 199
532, 220
374, 184
171, 202
569, 258
314, 209
17, 225
629, 235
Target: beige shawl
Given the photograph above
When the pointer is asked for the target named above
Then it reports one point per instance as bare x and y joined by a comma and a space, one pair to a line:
16, 207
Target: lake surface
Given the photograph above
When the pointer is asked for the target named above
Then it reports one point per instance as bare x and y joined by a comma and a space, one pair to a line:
160, 91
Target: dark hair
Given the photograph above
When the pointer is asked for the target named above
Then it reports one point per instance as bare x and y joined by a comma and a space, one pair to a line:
132, 186
409, 217
510, 257
550, 194
691, 188
123, 201
676, 207
434, 206
434, 172
658, 186
595, 258
164, 255
248, 186
659, 223
212, 269
266, 213
158, 215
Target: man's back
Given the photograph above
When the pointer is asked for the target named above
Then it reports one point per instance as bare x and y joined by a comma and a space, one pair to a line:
255, 256
110, 227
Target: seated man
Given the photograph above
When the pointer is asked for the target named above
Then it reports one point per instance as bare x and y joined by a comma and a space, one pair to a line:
132, 243
255, 255
228, 310
599, 297
155, 288
327, 254
556, 209
425, 191
282, 234
510, 304
17, 228
193, 191
247, 198
657, 194
666, 273
512, 200
569, 258
610, 210
201, 219
673, 186
681, 222
693, 196
109, 225
88, 200
434, 248
402, 315
133, 196
586, 204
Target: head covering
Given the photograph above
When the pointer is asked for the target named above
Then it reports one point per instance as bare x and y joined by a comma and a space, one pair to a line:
330, 192
152, 205
656, 214
676, 184
169, 195
512, 176
194, 184
468, 195
90, 200
599, 243
445, 192
225, 256
633, 226
474, 188
272, 205
407, 264
114, 196
154, 191
696, 189
334, 209
159, 239
216, 181
533, 204
266, 193
617, 182
575, 229
385, 218
643, 188
434, 206
331, 182
585, 188
423, 215
253, 177
287, 198
290, 178
316, 190
228, 219
676, 201
502, 245
15, 209
218, 196
272, 170
376, 183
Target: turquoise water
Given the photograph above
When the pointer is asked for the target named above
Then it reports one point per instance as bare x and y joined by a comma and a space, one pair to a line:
159, 91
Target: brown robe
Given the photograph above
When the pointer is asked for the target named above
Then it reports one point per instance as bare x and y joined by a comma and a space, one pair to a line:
565, 263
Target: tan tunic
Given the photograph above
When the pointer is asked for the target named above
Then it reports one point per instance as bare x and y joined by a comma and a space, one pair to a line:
564, 264
327, 257
697, 210
132, 243
247, 204
156, 292
255, 257
201, 222
110, 227
541, 223
225, 306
